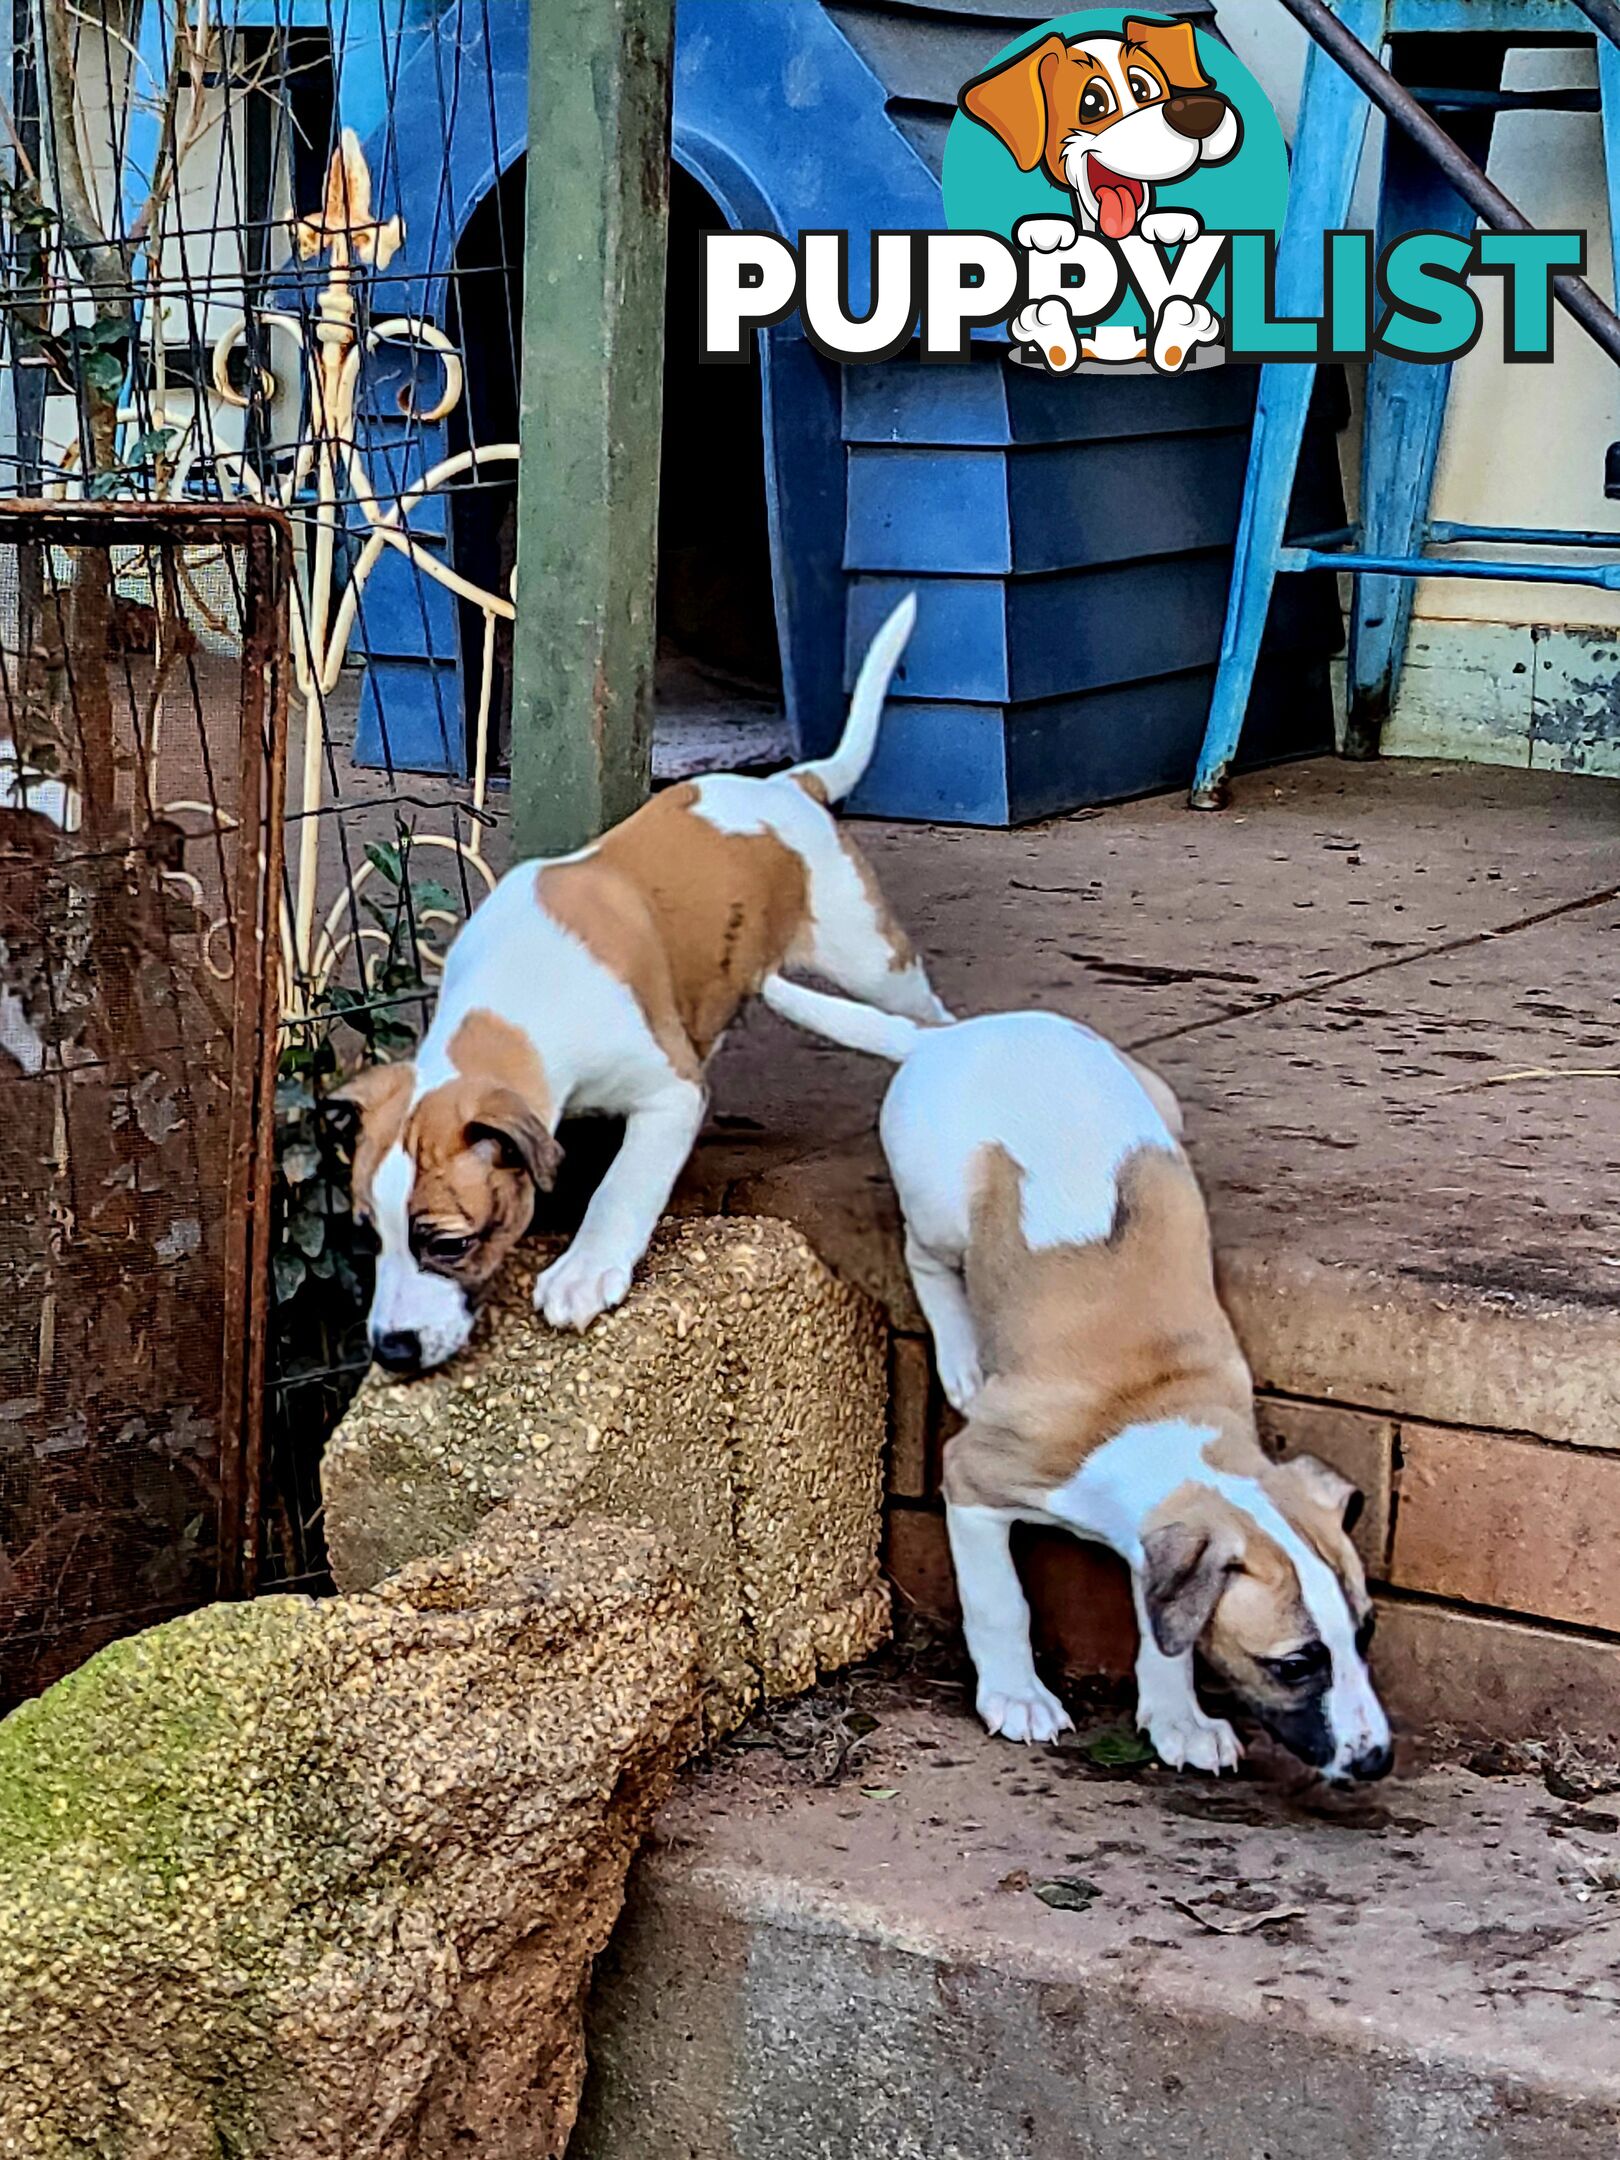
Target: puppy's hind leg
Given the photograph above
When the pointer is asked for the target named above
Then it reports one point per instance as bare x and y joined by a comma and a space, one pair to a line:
1010, 1697
943, 1298
853, 938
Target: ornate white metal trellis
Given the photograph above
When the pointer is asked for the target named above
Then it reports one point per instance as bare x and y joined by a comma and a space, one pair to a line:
325, 482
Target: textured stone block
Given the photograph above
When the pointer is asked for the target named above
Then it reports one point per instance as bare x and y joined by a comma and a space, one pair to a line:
324, 1880
735, 1402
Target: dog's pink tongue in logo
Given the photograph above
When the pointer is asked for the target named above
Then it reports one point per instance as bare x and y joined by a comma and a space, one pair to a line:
1118, 199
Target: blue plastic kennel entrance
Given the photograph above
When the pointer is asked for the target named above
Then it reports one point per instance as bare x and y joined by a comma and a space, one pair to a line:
1071, 541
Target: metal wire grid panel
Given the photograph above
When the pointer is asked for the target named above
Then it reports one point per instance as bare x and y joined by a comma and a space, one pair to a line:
233, 274
141, 760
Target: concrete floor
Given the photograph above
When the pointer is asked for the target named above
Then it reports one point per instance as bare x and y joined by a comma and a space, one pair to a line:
1344, 976
1350, 977
844, 1950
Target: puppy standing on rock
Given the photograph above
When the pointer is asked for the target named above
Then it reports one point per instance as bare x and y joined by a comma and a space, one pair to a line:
1060, 1251
602, 981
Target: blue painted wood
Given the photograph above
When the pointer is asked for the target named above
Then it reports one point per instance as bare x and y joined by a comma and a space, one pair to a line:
1055, 508
1026, 638
1328, 141
944, 762
1405, 411
761, 87
997, 764
406, 699
991, 405
928, 510
1026, 495
805, 503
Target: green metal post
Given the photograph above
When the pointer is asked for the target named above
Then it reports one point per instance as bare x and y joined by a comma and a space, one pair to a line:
592, 408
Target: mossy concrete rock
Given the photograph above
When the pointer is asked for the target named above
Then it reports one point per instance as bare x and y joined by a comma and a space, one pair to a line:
322, 1880
736, 1402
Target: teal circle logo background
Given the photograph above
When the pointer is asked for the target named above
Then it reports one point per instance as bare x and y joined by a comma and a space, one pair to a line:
985, 192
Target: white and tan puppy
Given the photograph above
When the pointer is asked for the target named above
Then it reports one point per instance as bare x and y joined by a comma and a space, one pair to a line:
602, 981
1110, 118
1060, 1250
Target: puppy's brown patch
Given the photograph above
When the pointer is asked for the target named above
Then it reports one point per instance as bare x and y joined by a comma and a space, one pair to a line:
380, 1093
1081, 1341
487, 1047
690, 918
480, 1151
902, 953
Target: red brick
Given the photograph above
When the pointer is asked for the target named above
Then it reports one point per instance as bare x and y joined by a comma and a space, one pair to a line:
911, 1416
917, 1560
1509, 1523
1079, 1595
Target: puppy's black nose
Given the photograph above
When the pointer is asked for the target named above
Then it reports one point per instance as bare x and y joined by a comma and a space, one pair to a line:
1195, 115
1373, 1763
399, 1351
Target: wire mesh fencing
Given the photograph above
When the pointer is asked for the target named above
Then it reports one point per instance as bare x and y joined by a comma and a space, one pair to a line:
141, 757
267, 252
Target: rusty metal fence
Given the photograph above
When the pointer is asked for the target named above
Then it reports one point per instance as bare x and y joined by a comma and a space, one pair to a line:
142, 755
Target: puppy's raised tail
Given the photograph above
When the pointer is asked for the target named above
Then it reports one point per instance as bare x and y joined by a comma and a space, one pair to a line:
836, 775
841, 1020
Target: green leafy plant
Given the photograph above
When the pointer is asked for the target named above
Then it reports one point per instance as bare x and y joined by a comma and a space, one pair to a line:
321, 1260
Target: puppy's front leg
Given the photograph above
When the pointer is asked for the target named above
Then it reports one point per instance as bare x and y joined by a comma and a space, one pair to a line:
594, 1273
1168, 1709
995, 1620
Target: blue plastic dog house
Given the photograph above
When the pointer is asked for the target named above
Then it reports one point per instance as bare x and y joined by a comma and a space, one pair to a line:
1071, 542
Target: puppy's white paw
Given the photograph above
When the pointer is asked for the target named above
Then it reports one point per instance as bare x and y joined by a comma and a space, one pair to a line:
1048, 325
1046, 235
1028, 1712
1183, 326
1185, 1739
1171, 228
574, 1290
959, 1383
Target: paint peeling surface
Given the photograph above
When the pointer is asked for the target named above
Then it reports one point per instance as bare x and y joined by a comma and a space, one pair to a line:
132, 1040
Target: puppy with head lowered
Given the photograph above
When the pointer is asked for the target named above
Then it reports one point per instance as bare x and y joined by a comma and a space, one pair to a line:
602, 981
1060, 1250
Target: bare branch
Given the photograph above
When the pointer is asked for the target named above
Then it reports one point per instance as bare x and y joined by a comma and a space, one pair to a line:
103, 264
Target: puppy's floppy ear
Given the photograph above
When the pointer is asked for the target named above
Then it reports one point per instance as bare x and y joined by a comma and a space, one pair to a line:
1184, 1570
1011, 100
1175, 47
1328, 1487
512, 1132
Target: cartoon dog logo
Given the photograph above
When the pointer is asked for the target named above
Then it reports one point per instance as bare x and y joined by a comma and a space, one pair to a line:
1110, 117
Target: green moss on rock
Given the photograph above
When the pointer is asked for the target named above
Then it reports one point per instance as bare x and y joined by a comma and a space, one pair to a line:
247, 1899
